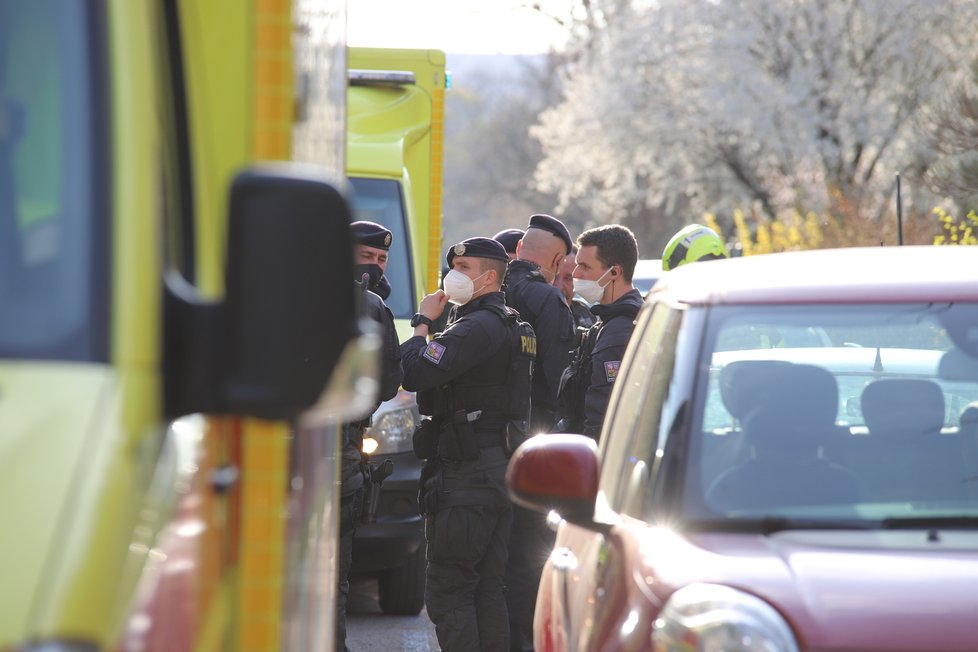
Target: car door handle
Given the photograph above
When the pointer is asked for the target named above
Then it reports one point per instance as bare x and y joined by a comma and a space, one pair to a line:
563, 560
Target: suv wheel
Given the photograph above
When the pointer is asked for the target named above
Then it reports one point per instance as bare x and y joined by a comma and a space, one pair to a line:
401, 590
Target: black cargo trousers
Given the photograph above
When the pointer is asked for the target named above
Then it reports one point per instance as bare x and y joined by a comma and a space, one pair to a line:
351, 489
468, 536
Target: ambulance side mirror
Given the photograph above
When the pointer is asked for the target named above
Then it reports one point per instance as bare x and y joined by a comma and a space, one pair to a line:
269, 348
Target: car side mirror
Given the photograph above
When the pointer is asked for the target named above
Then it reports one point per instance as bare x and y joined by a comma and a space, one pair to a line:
556, 472
269, 347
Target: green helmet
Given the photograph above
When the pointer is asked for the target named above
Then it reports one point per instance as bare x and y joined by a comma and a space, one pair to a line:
695, 242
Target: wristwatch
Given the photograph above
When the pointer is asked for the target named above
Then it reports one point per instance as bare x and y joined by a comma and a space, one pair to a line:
419, 319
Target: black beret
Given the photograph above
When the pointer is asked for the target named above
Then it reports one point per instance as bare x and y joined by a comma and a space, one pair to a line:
553, 225
477, 248
508, 239
371, 234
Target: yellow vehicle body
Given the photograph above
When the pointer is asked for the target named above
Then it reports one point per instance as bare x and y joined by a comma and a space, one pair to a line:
150, 498
395, 133
395, 146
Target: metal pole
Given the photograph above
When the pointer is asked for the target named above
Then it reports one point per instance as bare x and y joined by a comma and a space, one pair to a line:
899, 212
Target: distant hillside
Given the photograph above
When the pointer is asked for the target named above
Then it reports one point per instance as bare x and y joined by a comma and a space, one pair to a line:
490, 157
504, 71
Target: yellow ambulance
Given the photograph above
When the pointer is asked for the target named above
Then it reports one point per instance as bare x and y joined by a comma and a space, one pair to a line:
178, 332
395, 147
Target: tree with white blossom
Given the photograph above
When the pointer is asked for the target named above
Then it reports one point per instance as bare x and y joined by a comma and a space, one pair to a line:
678, 107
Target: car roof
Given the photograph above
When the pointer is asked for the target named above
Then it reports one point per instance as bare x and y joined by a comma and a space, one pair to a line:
851, 275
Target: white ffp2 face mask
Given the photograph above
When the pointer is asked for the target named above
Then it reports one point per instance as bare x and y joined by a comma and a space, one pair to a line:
591, 291
460, 287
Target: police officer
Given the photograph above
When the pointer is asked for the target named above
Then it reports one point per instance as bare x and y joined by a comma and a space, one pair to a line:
371, 244
370, 254
583, 318
530, 290
509, 238
603, 276
691, 244
473, 381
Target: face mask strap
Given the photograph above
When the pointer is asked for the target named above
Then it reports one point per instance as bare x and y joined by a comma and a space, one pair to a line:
474, 291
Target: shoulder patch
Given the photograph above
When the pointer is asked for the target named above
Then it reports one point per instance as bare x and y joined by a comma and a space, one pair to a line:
611, 370
433, 352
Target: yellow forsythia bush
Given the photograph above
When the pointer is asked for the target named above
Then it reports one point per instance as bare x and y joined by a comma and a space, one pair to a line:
956, 232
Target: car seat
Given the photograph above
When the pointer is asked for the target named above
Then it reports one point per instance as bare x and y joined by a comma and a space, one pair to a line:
911, 459
787, 413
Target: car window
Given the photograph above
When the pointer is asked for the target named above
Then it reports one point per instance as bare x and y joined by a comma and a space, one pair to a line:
54, 240
380, 201
873, 423
634, 415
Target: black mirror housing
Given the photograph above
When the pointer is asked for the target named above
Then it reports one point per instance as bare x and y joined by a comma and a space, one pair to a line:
269, 347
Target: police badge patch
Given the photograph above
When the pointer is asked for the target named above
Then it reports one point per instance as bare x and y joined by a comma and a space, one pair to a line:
433, 352
611, 370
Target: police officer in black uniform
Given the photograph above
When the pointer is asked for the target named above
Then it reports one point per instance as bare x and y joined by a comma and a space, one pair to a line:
473, 381
603, 275
371, 244
530, 290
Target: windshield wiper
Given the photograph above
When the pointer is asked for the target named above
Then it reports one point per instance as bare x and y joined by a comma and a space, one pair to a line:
911, 522
773, 524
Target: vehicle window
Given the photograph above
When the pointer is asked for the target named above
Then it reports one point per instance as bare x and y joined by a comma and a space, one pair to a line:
868, 425
634, 425
53, 233
380, 201
176, 163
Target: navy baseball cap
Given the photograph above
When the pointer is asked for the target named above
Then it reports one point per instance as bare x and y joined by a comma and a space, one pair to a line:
508, 238
371, 234
554, 226
477, 248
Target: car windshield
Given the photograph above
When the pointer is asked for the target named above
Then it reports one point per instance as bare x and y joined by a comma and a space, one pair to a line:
53, 245
844, 414
380, 201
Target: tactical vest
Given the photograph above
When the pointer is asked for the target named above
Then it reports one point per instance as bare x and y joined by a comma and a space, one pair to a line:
575, 380
500, 387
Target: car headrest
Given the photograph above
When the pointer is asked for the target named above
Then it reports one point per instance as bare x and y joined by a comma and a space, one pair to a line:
903, 406
781, 390
969, 418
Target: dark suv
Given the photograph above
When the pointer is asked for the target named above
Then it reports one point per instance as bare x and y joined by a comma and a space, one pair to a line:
392, 546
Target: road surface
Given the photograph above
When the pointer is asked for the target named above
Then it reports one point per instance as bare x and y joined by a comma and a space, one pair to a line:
368, 630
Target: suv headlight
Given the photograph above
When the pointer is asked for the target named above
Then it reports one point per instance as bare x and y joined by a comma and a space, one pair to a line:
393, 426
714, 617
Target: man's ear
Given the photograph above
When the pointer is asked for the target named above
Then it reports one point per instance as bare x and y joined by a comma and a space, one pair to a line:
555, 263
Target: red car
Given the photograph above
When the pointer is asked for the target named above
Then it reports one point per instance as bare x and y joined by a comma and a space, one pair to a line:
789, 462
